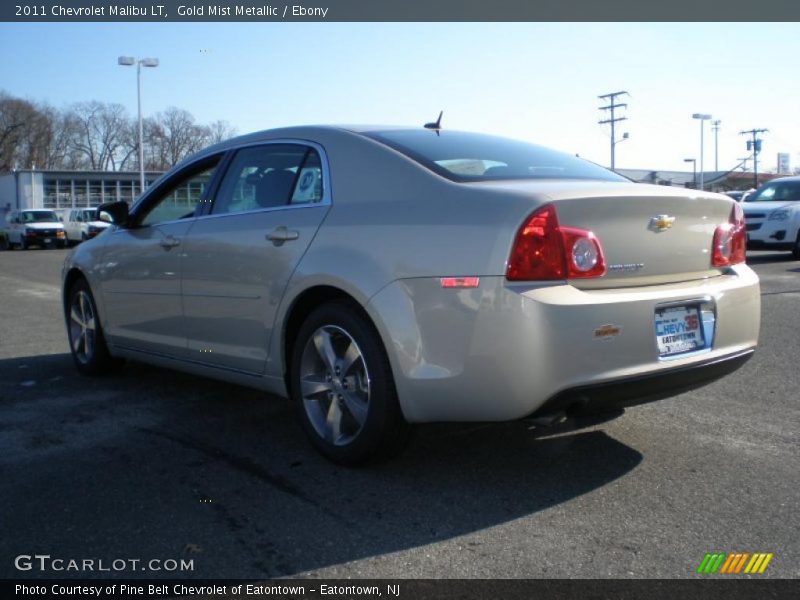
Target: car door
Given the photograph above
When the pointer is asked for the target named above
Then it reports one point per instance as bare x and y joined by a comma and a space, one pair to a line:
140, 271
239, 257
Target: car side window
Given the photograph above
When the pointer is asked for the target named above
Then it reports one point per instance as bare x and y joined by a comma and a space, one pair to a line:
179, 200
270, 176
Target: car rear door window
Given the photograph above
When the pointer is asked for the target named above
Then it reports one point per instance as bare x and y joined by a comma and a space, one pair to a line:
270, 176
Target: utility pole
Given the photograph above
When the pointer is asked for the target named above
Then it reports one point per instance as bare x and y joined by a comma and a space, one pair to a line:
715, 128
754, 146
612, 106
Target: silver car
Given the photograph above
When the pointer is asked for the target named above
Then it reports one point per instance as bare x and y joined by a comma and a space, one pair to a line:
382, 277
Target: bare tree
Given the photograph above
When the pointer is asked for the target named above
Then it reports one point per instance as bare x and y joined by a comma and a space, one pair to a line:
26, 132
173, 135
219, 131
97, 133
97, 136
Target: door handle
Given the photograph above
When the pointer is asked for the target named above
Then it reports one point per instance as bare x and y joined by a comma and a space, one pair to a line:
281, 234
169, 242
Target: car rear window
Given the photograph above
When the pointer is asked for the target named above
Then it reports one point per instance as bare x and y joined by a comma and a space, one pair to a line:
463, 156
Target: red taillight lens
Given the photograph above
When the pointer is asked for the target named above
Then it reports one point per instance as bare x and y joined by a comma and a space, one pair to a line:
543, 250
730, 240
584, 254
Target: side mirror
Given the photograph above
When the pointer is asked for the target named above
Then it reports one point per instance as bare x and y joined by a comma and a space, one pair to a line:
114, 212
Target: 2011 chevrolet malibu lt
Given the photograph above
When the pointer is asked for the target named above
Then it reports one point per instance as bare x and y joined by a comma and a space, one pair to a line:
382, 277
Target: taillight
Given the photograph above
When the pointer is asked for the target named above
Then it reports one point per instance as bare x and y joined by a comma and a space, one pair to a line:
543, 250
730, 240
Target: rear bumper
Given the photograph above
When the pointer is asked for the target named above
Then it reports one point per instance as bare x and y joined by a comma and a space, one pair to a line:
504, 351
641, 389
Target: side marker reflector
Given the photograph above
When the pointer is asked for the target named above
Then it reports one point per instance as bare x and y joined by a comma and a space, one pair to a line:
460, 282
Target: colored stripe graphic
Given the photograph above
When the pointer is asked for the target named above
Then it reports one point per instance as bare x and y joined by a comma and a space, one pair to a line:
711, 562
733, 563
759, 562
741, 562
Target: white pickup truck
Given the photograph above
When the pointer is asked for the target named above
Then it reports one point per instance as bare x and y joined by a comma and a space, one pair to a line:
34, 227
82, 224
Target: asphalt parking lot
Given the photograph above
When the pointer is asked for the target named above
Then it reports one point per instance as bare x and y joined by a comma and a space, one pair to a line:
152, 464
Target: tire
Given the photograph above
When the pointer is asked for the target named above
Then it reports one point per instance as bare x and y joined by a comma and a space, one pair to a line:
86, 339
349, 412
4, 243
796, 248
23, 243
83, 237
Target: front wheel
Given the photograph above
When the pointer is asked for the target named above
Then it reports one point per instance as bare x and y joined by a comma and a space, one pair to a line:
796, 247
86, 340
342, 386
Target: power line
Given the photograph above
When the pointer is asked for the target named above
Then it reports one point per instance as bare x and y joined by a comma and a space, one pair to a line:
613, 120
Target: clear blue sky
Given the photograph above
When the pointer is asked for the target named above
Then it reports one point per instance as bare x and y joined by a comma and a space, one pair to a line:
534, 81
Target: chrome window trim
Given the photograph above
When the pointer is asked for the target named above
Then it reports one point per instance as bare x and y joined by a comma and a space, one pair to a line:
327, 197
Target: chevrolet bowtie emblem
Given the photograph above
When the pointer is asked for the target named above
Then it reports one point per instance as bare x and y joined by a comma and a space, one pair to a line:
662, 222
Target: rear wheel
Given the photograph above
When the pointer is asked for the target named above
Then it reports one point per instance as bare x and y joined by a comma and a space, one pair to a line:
342, 387
86, 340
23, 243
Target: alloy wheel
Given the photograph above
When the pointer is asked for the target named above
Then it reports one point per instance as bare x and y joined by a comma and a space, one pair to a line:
334, 385
82, 327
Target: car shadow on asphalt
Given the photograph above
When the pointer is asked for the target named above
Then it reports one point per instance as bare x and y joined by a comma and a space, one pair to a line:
152, 463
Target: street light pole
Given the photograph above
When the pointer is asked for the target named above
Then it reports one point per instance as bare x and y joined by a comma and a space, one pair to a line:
715, 126
702, 117
141, 126
128, 61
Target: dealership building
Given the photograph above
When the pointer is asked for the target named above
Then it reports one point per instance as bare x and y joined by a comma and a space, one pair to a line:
67, 189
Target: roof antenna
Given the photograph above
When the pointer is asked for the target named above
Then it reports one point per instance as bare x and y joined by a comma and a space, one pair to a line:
436, 125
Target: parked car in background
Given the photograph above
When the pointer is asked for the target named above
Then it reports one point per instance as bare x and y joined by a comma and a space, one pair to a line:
772, 214
81, 224
34, 227
387, 276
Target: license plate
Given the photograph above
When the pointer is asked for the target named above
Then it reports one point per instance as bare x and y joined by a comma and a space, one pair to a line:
679, 329
48, 240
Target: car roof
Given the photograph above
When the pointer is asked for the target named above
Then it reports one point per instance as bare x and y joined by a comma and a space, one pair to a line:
300, 132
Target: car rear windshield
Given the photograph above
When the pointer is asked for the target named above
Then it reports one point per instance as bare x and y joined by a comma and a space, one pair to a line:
778, 191
463, 157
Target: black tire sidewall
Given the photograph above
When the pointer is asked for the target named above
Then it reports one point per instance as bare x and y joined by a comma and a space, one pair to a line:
383, 414
101, 361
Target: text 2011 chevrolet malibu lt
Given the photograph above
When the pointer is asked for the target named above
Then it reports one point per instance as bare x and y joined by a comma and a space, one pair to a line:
382, 277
